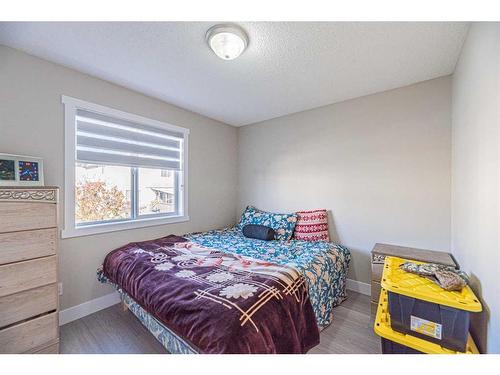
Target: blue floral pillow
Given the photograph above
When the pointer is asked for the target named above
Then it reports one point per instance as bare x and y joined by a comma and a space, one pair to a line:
283, 224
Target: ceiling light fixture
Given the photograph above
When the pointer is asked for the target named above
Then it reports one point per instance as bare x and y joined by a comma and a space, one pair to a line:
227, 41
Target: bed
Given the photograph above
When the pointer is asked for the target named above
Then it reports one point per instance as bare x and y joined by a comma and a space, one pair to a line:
304, 279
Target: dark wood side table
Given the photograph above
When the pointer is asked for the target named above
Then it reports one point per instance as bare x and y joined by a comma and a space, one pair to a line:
380, 251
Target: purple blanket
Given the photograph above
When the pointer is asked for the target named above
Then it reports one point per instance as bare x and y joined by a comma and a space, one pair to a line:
217, 302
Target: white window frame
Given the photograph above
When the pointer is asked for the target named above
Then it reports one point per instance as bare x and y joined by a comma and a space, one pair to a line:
70, 228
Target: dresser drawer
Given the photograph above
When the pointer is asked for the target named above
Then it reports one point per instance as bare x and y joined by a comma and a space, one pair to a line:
17, 216
16, 277
30, 334
27, 304
52, 349
377, 270
373, 309
49, 348
378, 258
18, 246
375, 291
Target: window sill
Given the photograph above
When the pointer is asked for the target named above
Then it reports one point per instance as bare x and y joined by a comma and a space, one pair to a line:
125, 225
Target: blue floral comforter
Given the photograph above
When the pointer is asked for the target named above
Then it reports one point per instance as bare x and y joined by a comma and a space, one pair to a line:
324, 264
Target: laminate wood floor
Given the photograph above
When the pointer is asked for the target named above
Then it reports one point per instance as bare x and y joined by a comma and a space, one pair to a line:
114, 331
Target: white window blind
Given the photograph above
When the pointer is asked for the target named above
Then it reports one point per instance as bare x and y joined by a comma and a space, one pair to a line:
108, 140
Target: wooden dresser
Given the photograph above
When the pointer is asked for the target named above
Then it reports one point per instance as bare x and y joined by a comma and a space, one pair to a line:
29, 298
380, 251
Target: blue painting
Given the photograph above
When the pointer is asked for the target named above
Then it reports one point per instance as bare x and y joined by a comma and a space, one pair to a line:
28, 171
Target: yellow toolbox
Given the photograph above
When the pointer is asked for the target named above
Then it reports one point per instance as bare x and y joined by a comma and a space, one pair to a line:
420, 308
394, 342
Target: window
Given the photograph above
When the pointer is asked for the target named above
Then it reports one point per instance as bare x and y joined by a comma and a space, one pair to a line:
122, 171
156, 191
102, 193
166, 173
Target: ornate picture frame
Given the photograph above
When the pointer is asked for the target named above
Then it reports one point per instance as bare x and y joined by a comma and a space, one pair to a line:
20, 170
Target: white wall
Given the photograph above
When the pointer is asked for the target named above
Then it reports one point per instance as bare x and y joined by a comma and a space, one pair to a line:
380, 163
476, 167
31, 122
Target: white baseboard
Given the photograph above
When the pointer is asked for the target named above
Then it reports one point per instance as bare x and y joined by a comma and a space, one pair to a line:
358, 286
87, 308
92, 306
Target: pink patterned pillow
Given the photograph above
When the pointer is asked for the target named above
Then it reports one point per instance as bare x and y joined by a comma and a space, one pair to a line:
312, 226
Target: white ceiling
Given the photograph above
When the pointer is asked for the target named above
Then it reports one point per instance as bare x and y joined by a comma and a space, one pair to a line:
288, 66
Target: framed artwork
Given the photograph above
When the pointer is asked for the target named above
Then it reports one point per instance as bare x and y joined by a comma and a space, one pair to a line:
19, 170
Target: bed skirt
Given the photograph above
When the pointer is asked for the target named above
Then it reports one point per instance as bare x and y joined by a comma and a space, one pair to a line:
170, 341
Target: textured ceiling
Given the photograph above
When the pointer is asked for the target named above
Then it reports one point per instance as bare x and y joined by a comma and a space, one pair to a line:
288, 66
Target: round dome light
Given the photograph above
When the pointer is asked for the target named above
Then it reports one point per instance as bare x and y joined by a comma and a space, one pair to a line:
227, 41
